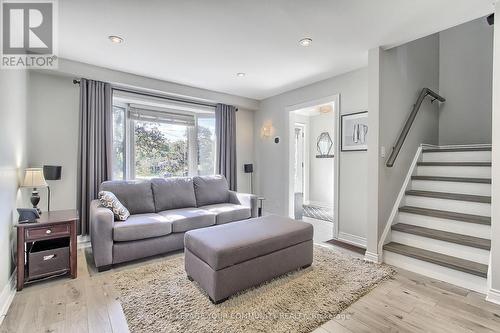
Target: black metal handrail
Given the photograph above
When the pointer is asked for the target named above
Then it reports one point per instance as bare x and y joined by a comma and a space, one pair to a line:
404, 132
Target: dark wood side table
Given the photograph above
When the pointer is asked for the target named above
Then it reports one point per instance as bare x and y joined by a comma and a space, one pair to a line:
52, 228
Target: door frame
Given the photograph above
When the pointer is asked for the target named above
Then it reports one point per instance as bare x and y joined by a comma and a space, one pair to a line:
305, 157
335, 99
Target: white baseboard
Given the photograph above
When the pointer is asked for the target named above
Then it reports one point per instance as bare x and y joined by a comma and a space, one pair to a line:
372, 257
352, 239
7, 295
493, 296
320, 204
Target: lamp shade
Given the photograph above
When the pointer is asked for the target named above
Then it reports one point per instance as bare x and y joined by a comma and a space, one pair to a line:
52, 172
248, 168
33, 177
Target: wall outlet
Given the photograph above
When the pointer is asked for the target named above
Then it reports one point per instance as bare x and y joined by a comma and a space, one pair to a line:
382, 152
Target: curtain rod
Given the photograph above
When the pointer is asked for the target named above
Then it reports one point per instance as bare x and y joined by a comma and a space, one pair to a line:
75, 81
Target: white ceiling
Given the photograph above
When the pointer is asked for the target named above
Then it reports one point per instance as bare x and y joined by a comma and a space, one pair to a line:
205, 43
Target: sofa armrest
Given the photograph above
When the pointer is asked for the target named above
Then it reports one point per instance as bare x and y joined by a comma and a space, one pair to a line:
101, 234
244, 199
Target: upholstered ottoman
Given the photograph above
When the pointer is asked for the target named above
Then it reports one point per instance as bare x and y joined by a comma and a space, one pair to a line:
228, 258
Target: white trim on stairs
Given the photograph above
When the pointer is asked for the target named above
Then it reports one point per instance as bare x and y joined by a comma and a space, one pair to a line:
373, 257
7, 295
475, 145
394, 213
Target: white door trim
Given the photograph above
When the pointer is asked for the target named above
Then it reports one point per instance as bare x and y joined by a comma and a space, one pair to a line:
336, 177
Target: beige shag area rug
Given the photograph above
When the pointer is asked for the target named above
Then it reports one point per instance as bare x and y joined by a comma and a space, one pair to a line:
158, 297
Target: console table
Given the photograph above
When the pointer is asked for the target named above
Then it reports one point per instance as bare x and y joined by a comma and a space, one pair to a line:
47, 247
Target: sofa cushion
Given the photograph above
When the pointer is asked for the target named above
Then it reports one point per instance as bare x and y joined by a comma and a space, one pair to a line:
137, 196
141, 226
230, 244
109, 200
211, 190
172, 193
185, 219
227, 212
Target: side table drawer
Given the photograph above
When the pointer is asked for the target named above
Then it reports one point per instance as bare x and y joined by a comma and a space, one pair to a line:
47, 232
48, 257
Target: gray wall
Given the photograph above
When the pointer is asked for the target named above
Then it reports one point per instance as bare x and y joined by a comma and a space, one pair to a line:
465, 80
404, 71
13, 108
244, 147
321, 169
53, 135
272, 159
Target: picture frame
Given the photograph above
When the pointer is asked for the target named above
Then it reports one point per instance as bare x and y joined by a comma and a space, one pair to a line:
354, 131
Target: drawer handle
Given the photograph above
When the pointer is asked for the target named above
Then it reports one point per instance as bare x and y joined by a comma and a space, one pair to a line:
52, 256
48, 231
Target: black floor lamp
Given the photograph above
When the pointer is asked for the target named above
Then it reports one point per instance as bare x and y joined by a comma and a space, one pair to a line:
51, 172
249, 169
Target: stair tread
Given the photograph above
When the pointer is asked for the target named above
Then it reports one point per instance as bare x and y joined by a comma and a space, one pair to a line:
464, 164
455, 149
454, 179
450, 196
478, 219
459, 264
480, 243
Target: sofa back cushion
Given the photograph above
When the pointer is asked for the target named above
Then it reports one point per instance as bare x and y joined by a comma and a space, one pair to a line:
136, 196
173, 193
211, 190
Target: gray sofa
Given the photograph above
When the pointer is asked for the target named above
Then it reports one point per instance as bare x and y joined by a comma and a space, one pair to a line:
162, 210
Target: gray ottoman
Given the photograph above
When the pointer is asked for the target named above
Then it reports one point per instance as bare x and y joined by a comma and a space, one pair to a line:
228, 258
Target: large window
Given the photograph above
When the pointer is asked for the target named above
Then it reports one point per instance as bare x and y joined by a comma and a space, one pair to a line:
154, 142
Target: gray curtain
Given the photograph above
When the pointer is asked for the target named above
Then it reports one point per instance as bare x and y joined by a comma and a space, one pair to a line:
225, 129
95, 144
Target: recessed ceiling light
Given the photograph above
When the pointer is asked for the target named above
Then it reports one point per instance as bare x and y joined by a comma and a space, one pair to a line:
115, 39
305, 42
240, 74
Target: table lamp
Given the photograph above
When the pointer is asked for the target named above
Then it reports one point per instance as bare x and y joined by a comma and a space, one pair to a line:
51, 172
33, 178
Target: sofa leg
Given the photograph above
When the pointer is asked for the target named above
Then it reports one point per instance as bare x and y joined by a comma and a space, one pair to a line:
190, 278
219, 301
304, 267
104, 268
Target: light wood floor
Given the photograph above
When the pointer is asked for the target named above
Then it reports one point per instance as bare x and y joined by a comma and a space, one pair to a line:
407, 303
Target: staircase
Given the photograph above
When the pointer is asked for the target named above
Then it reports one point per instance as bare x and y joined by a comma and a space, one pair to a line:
442, 227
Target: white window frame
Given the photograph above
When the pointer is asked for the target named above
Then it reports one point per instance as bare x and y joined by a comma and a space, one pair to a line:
129, 139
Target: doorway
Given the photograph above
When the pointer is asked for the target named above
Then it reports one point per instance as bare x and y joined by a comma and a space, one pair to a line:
313, 165
299, 169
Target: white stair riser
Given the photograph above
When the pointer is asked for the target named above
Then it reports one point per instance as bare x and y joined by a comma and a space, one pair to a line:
465, 156
438, 272
454, 171
451, 249
457, 206
451, 187
458, 227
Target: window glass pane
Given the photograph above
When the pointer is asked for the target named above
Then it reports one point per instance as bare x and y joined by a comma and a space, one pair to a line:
161, 150
118, 161
206, 145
